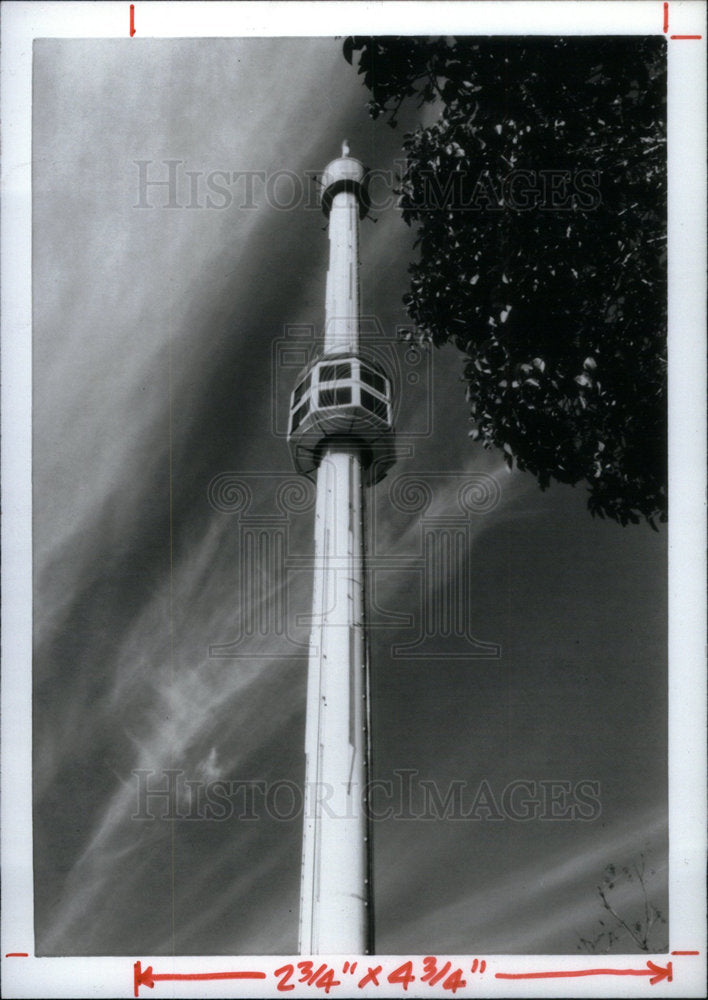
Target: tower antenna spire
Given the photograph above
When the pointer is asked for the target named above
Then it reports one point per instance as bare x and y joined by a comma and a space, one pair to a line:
345, 147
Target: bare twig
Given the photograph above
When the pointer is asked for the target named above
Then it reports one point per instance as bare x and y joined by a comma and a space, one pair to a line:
608, 906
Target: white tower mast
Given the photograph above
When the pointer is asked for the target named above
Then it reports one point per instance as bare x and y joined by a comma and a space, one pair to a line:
340, 425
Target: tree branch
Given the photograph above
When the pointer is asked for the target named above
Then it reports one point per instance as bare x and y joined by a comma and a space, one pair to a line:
618, 918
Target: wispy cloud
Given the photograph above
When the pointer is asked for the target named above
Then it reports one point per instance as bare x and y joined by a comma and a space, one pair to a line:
554, 896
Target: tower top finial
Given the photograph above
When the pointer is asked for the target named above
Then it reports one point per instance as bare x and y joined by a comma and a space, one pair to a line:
345, 173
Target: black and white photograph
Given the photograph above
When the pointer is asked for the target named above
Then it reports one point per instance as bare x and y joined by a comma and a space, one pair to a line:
352, 499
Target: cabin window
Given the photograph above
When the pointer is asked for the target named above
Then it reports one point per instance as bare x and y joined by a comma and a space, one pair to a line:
374, 405
335, 397
301, 389
373, 379
297, 416
329, 373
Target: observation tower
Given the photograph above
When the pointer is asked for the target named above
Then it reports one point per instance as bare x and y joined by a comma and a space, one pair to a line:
341, 432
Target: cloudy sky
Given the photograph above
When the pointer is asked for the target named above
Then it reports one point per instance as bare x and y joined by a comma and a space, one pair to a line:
163, 358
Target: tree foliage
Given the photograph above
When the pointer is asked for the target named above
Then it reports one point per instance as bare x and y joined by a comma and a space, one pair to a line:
539, 197
641, 925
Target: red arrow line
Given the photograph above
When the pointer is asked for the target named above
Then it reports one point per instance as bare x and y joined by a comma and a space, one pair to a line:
148, 978
657, 973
